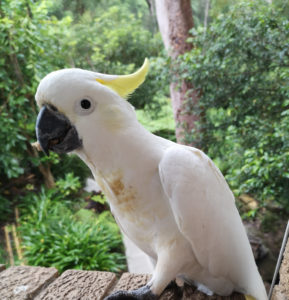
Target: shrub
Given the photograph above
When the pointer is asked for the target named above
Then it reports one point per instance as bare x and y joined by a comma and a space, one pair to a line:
240, 68
54, 235
30, 48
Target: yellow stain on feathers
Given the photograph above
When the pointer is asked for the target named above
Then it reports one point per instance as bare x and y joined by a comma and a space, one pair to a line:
124, 196
117, 186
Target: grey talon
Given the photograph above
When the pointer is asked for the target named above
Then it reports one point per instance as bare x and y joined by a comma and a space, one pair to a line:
143, 293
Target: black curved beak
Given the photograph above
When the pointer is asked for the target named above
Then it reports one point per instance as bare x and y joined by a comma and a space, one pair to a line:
55, 132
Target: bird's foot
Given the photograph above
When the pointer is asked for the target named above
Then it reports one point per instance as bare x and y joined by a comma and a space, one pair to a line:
143, 293
173, 291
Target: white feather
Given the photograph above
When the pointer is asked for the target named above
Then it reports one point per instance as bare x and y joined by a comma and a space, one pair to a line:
169, 199
205, 212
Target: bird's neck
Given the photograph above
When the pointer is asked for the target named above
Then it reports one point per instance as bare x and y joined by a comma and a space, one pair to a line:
117, 149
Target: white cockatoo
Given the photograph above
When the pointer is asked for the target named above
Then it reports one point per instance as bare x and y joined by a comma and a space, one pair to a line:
169, 199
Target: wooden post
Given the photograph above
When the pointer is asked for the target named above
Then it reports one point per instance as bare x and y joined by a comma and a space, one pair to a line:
8, 246
17, 245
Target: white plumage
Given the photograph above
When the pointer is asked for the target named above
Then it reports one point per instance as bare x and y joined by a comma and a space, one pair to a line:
169, 199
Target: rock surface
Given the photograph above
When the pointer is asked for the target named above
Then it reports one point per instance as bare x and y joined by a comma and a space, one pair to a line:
76, 284
24, 282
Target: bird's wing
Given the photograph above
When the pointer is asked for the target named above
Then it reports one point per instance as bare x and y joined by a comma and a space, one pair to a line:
205, 212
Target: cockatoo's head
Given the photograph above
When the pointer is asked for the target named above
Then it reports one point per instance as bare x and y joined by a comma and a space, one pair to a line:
73, 102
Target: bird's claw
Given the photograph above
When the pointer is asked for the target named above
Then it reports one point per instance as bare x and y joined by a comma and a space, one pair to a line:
144, 293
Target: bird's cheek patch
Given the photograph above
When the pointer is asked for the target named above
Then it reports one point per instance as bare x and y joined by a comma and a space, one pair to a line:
112, 117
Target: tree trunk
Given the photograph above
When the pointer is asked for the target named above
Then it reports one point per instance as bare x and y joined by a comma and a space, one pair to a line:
44, 168
175, 19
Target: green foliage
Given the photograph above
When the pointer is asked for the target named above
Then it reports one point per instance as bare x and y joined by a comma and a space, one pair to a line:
77, 9
55, 233
160, 123
5, 207
3, 254
29, 49
68, 185
98, 199
113, 41
240, 67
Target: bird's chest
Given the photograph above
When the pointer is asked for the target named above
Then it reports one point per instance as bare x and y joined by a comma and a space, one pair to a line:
137, 203
125, 196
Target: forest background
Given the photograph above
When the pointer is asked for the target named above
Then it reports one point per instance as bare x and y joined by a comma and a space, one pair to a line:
238, 66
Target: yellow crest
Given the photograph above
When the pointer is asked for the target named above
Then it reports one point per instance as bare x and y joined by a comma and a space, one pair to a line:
126, 84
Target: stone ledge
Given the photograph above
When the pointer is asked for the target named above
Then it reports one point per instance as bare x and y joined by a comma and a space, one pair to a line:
25, 282
76, 284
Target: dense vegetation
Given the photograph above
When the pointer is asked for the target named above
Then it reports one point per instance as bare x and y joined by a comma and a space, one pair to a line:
66, 236
239, 65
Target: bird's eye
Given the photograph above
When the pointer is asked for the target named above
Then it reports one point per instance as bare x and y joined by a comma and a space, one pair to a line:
85, 104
